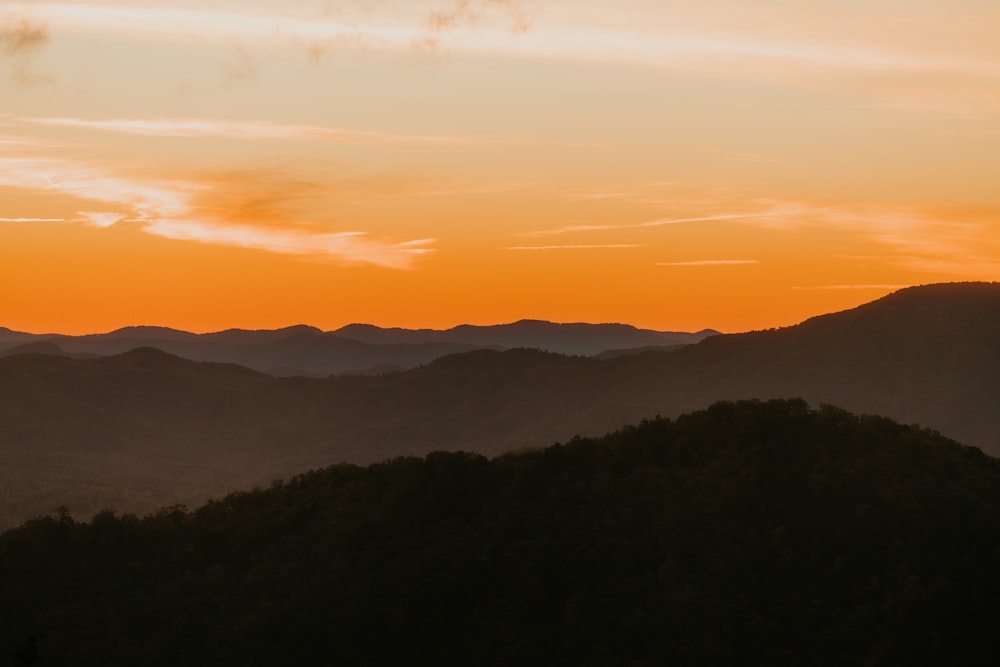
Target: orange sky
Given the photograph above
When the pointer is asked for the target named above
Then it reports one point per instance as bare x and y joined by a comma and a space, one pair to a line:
674, 165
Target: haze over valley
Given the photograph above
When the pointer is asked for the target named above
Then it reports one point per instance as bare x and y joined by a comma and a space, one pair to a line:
145, 428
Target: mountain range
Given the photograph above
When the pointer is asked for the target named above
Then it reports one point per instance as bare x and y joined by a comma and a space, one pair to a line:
355, 348
141, 429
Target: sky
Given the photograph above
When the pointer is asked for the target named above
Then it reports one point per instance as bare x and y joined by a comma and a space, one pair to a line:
673, 164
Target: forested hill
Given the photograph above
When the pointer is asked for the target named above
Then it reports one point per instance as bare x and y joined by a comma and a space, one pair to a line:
750, 533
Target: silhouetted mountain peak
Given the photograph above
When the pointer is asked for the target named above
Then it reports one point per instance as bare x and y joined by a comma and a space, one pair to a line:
144, 332
360, 327
926, 312
575, 338
295, 328
298, 329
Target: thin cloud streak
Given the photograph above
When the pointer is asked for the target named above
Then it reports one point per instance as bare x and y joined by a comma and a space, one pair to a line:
32, 220
711, 262
169, 209
197, 128
599, 246
660, 222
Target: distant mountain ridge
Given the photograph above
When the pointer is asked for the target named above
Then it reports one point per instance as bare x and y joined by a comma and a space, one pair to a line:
186, 430
575, 338
356, 348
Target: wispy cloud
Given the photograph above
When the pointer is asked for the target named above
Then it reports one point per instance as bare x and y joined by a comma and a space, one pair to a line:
190, 211
100, 219
199, 128
468, 12
345, 247
362, 31
674, 39
711, 262
659, 222
22, 35
595, 246
914, 239
20, 38
32, 219
561, 35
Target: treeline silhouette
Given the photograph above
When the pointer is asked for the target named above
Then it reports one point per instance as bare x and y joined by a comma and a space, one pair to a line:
748, 533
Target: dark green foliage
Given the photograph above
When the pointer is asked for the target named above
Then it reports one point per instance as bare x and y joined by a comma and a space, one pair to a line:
750, 533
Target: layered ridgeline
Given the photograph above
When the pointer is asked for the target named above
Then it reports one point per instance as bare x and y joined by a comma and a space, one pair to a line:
143, 429
356, 348
751, 533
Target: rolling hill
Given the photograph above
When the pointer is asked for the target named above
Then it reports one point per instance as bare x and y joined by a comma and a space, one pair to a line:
760, 533
154, 428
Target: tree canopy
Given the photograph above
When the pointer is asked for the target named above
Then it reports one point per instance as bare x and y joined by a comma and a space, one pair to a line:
751, 532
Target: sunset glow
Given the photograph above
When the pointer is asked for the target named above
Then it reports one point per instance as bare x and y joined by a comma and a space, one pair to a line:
673, 165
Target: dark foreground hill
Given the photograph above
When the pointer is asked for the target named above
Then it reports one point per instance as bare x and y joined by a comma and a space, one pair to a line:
751, 533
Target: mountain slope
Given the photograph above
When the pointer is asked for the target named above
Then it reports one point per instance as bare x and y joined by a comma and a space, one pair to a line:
929, 355
750, 533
